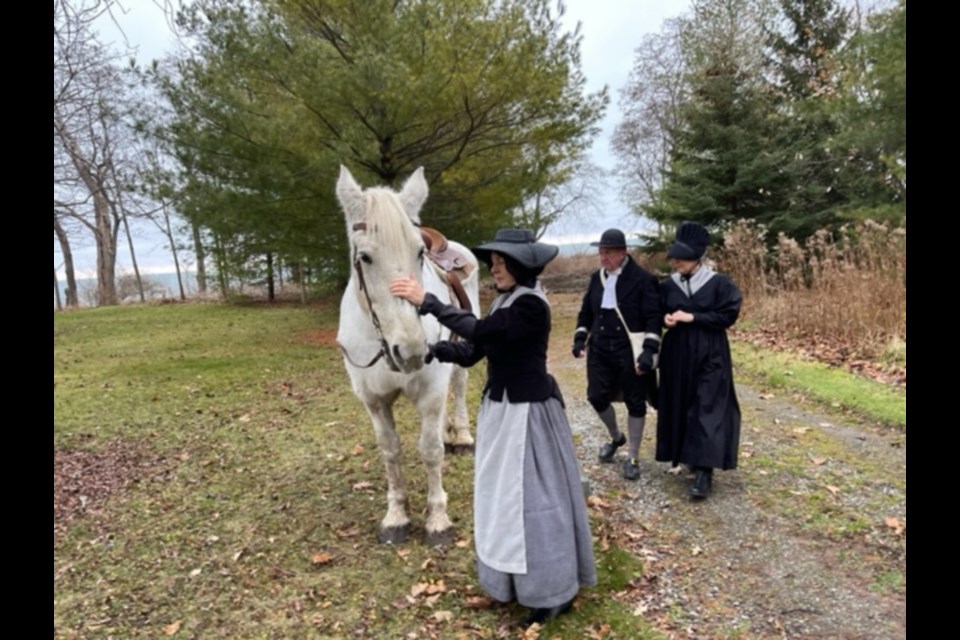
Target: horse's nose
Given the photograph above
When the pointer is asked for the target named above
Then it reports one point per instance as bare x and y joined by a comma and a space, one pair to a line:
408, 364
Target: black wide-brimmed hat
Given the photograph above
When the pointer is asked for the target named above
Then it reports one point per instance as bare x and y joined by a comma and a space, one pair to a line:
611, 238
691, 243
519, 244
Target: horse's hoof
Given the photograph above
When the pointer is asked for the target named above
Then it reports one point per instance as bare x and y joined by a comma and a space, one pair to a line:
440, 538
458, 449
394, 535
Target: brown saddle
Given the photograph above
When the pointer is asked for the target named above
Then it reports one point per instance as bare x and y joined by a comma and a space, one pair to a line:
453, 263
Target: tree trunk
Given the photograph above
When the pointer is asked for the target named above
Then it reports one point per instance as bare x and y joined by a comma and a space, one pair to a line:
133, 257
201, 266
56, 290
270, 288
168, 231
106, 252
221, 259
64, 240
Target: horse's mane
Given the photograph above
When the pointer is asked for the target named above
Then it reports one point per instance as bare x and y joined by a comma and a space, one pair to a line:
387, 220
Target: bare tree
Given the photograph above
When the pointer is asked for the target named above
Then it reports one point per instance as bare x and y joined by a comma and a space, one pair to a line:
577, 197
91, 140
650, 104
63, 238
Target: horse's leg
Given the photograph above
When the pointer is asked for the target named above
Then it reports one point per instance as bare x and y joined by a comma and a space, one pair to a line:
439, 529
457, 437
395, 525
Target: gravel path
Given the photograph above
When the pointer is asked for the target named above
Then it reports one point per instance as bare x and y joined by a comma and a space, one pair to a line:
807, 539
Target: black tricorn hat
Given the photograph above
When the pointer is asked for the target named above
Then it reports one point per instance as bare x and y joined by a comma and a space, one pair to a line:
691, 243
519, 244
612, 238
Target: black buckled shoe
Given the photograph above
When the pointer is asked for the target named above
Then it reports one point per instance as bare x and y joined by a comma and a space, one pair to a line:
539, 616
702, 484
631, 469
609, 450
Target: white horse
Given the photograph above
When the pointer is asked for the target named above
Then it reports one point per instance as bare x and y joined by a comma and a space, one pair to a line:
384, 341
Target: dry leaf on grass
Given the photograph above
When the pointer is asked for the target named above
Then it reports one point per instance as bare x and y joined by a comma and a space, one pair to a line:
897, 525
172, 628
479, 602
322, 558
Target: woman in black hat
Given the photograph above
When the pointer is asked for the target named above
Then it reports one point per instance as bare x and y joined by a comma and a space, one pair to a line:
698, 420
531, 529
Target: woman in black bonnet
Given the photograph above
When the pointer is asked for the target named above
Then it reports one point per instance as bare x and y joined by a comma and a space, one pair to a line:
698, 420
531, 529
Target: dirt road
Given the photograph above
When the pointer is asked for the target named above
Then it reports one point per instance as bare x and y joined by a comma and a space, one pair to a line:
806, 539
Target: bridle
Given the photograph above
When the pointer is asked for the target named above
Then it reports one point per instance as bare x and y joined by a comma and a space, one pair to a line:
384, 346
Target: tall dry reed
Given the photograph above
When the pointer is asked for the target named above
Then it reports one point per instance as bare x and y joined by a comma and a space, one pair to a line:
846, 287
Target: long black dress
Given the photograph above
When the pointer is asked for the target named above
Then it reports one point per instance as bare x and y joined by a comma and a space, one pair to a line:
698, 422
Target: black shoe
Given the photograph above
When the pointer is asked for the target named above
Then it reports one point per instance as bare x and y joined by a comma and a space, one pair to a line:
539, 616
631, 469
702, 484
609, 450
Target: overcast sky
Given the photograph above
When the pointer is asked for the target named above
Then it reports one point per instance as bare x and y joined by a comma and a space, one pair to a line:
611, 31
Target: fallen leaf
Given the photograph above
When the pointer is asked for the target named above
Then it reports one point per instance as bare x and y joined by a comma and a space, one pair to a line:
479, 602
818, 461
595, 501
895, 524
172, 628
437, 587
431, 600
460, 544
801, 429
348, 533
443, 616
766, 396
357, 450
360, 486
696, 551
426, 563
322, 558
832, 489
244, 418
418, 588
195, 572
403, 553
640, 609
238, 554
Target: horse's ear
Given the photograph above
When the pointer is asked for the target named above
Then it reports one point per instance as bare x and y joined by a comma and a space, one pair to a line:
349, 194
414, 194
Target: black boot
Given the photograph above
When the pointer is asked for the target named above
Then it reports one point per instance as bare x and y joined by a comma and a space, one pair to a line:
539, 616
702, 483
608, 450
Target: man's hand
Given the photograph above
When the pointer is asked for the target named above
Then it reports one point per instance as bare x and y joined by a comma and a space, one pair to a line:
579, 344
647, 361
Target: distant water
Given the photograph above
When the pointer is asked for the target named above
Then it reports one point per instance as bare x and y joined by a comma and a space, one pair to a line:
157, 286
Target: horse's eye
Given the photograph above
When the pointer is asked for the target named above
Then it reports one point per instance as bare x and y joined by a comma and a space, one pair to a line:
420, 253
366, 258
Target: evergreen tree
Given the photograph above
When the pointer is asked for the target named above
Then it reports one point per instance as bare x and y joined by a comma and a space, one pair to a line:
806, 68
488, 97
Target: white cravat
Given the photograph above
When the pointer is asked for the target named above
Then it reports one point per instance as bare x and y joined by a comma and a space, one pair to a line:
609, 300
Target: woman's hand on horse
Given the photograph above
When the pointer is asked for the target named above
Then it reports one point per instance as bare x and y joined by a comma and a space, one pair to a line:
408, 288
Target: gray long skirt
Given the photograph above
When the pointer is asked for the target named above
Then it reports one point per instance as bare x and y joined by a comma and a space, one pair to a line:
556, 545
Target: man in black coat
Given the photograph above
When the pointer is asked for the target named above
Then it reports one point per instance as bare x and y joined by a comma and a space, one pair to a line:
611, 369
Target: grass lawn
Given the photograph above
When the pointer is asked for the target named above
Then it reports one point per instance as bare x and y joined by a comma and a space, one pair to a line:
255, 515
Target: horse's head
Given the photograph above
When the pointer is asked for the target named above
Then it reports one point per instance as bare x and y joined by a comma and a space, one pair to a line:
385, 243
